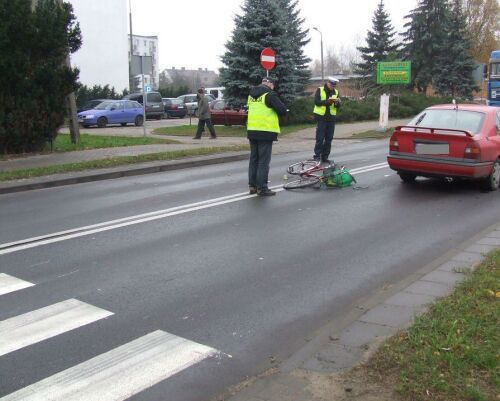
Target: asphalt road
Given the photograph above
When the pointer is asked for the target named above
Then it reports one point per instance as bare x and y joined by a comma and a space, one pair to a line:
250, 279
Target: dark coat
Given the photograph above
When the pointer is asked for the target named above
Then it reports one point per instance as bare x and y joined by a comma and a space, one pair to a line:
273, 102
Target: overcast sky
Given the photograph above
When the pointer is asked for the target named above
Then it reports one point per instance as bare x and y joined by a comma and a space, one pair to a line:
193, 33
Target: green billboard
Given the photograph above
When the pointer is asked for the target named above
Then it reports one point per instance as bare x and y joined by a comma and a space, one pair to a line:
394, 72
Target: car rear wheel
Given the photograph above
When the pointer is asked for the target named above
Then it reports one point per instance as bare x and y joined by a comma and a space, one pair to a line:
123, 124
492, 182
407, 177
102, 122
139, 120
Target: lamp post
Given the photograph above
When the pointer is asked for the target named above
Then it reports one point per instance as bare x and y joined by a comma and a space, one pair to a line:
322, 65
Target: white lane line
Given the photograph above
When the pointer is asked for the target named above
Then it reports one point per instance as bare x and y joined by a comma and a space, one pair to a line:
142, 218
33, 327
11, 284
120, 373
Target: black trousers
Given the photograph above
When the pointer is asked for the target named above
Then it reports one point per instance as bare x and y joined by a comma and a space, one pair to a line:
258, 168
324, 137
201, 127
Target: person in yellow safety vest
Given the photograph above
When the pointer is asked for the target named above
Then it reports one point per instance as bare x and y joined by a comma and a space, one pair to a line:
264, 109
326, 104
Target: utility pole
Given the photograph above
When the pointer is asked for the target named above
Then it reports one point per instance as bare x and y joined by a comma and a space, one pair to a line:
322, 65
131, 78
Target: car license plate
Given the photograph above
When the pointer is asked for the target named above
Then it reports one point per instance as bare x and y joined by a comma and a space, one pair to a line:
432, 148
181, 107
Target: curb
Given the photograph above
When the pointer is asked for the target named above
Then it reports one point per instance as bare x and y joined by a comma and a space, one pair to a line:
117, 172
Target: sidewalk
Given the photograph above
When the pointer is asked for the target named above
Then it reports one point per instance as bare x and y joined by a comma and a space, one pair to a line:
302, 140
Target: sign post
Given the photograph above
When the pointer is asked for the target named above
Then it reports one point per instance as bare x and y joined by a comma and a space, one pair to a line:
391, 73
267, 59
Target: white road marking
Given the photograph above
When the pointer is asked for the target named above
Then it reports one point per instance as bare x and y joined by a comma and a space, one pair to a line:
142, 218
11, 284
120, 373
32, 327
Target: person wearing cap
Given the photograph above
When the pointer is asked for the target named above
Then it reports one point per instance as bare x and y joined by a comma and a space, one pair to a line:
204, 117
264, 109
326, 104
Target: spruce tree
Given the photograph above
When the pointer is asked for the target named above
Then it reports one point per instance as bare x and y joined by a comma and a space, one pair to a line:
425, 40
455, 65
380, 46
265, 23
34, 78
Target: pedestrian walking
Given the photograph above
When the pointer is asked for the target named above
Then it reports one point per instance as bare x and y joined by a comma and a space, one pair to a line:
326, 104
264, 109
203, 113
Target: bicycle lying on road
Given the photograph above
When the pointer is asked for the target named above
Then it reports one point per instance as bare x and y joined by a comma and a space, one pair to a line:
312, 172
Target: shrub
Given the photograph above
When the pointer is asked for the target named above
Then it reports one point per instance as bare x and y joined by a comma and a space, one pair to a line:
33, 74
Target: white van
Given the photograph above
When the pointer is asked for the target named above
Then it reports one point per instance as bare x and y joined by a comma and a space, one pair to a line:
217, 92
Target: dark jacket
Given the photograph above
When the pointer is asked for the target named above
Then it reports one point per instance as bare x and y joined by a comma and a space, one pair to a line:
273, 102
319, 102
203, 111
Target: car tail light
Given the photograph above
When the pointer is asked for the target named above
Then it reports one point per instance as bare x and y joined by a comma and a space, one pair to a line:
472, 151
394, 145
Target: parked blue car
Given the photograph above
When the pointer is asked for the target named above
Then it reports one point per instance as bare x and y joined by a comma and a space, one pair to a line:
113, 112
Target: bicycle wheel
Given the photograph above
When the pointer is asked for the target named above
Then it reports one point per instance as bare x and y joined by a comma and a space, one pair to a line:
302, 167
302, 182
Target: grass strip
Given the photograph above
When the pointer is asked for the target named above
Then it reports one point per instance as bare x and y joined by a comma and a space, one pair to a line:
452, 351
373, 134
89, 141
223, 130
116, 161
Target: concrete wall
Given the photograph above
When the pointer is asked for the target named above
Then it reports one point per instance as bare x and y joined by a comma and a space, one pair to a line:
103, 57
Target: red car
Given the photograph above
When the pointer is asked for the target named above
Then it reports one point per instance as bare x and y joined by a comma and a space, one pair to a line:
456, 141
223, 115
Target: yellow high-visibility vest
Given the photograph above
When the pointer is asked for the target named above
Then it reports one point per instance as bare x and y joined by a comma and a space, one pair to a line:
261, 117
321, 110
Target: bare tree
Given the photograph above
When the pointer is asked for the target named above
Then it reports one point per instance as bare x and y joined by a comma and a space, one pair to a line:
483, 21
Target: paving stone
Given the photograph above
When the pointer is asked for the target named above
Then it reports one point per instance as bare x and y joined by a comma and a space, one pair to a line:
454, 266
334, 358
480, 248
494, 234
359, 334
471, 257
489, 241
429, 288
443, 277
390, 315
404, 298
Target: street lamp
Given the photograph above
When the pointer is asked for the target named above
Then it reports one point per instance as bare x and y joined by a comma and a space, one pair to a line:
322, 65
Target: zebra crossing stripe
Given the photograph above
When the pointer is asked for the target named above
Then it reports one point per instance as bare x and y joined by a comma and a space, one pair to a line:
32, 327
11, 284
120, 373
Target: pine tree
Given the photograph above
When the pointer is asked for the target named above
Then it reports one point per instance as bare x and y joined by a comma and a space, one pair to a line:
425, 40
34, 78
265, 23
380, 45
455, 65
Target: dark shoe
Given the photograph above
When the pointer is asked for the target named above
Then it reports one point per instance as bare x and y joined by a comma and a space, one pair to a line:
326, 161
197, 137
213, 137
252, 190
266, 192
316, 158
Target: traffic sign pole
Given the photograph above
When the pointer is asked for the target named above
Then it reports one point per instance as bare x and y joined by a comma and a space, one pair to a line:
143, 98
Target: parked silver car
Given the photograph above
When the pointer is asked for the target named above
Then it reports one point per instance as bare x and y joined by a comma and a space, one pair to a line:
191, 101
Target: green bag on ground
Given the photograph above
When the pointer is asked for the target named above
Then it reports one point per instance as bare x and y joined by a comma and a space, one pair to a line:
337, 177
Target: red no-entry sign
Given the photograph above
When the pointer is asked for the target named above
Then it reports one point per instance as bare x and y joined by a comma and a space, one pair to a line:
268, 58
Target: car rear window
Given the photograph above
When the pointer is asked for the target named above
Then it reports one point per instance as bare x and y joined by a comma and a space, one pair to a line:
154, 97
453, 119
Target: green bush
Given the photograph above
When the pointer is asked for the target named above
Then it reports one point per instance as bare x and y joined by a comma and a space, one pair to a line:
406, 104
84, 94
